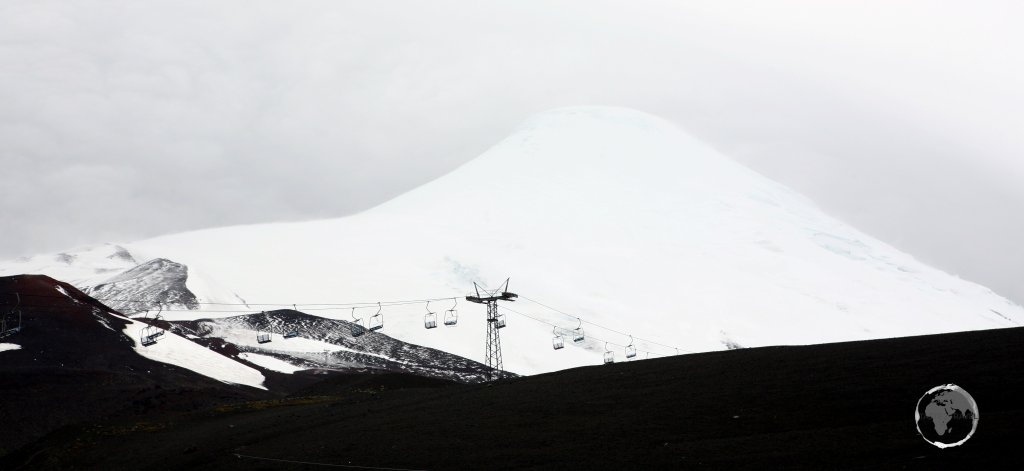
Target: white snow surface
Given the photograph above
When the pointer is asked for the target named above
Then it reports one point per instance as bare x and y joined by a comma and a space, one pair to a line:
608, 214
175, 350
269, 362
9, 346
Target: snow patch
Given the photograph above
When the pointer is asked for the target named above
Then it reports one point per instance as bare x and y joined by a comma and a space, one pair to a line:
61, 290
269, 362
9, 346
175, 350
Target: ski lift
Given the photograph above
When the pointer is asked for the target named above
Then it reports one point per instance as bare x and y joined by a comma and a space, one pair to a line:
157, 330
557, 343
630, 349
451, 316
148, 335
499, 321
430, 318
609, 356
260, 336
377, 320
577, 333
357, 325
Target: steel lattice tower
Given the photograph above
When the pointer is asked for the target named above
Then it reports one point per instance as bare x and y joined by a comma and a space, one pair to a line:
495, 322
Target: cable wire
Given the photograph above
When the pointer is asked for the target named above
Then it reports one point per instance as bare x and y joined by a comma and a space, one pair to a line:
357, 305
598, 325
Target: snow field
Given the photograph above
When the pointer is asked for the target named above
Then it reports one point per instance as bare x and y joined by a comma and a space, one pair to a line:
175, 350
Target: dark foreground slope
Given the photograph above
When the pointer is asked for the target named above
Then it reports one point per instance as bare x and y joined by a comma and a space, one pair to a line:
837, 406
74, 364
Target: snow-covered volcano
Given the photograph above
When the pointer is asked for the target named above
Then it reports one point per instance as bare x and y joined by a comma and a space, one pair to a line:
611, 215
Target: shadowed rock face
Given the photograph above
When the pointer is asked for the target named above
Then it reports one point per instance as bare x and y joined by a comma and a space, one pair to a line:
156, 282
369, 351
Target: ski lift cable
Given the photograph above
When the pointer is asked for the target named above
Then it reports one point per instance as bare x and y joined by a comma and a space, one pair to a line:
590, 337
386, 303
308, 306
364, 303
677, 349
339, 306
592, 323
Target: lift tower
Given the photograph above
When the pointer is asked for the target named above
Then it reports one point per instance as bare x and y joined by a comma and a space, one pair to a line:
495, 321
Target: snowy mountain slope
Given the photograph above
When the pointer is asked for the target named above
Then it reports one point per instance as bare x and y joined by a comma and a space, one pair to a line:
608, 214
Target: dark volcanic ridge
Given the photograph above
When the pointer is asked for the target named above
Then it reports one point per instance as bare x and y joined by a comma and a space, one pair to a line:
371, 350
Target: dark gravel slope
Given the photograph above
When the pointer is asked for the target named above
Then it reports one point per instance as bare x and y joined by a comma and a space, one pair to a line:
75, 364
836, 406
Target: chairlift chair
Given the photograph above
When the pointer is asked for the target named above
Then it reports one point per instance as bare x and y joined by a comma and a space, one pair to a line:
577, 333
377, 320
630, 349
557, 343
609, 356
260, 336
357, 325
430, 318
148, 336
451, 316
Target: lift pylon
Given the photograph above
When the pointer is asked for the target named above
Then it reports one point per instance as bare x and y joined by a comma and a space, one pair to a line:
495, 322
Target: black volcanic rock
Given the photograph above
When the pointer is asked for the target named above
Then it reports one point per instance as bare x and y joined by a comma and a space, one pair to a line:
75, 364
834, 406
370, 351
158, 282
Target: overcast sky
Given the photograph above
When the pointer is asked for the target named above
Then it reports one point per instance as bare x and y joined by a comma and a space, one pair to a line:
123, 119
